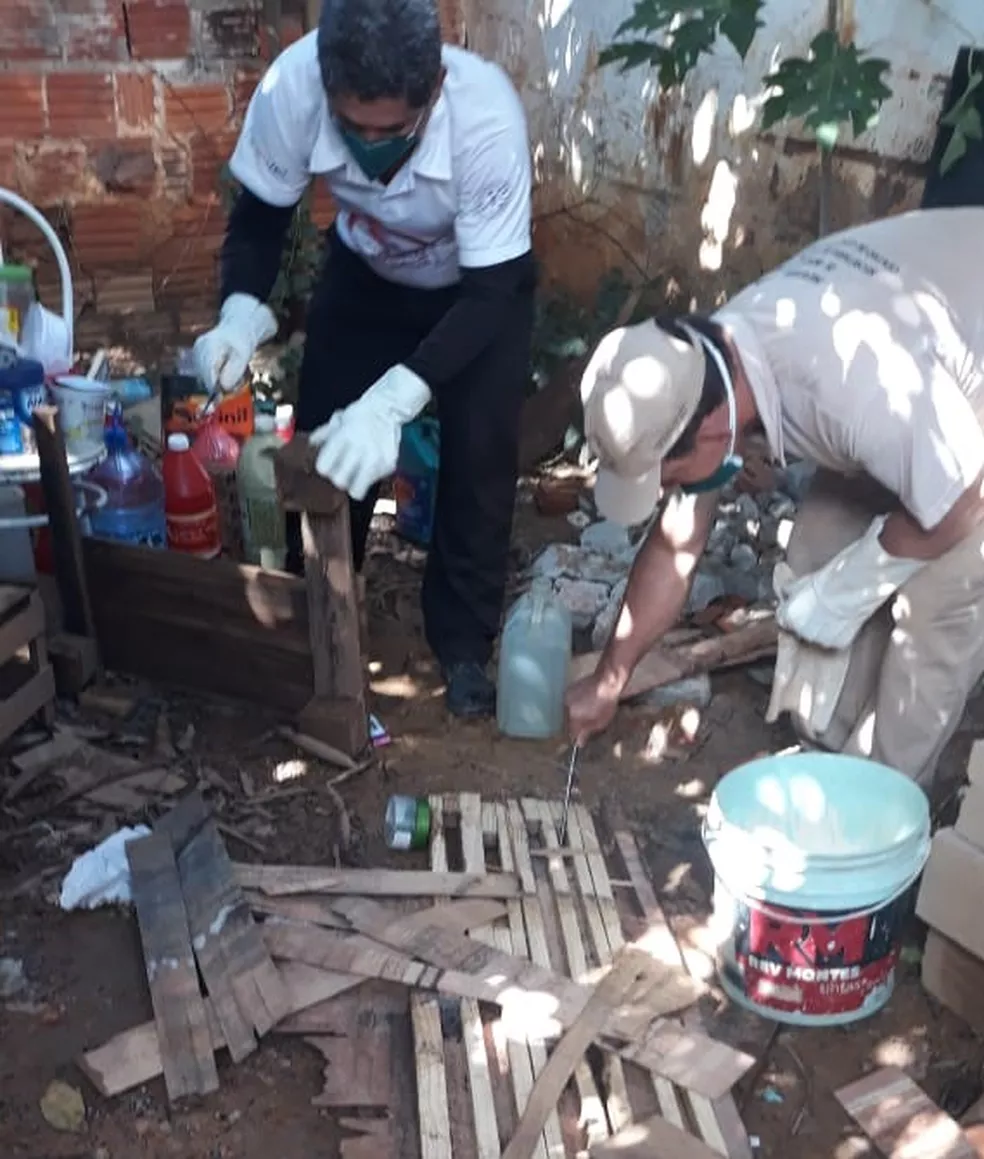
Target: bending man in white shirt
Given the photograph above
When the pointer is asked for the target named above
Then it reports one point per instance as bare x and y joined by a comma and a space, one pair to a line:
426, 298
864, 354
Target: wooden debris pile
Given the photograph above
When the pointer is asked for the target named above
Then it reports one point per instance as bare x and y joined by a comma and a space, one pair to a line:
535, 1022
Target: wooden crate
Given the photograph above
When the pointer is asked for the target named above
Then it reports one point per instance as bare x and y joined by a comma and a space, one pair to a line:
235, 630
27, 681
473, 1081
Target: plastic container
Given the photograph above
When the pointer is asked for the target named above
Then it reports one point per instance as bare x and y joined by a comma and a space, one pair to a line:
16, 549
21, 390
218, 452
815, 857
415, 480
407, 823
264, 529
134, 509
534, 658
189, 502
81, 406
16, 298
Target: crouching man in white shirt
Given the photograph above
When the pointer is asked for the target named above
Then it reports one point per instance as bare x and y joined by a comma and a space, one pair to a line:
426, 294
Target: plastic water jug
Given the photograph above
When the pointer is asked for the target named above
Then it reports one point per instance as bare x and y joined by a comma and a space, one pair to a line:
134, 510
534, 658
415, 480
264, 530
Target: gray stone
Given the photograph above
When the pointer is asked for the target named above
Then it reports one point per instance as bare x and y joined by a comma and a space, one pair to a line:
707, 587
12, 979
744, 557
695, 690
721, 539
611, 538
577, 563
605, 621
584, 599
795, 479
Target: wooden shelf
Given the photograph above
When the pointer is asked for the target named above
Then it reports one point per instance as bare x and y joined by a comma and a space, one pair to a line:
27, 681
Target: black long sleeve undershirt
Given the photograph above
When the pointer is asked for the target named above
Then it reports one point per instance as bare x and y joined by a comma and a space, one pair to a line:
253, 247
250, 262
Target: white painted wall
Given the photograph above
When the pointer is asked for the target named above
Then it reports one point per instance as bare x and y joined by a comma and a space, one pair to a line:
692, 190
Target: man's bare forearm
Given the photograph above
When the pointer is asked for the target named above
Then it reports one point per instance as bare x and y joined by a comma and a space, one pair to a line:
658, 586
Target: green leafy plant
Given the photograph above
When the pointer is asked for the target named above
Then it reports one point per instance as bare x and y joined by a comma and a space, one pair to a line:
684, 33
963, 119
835, 85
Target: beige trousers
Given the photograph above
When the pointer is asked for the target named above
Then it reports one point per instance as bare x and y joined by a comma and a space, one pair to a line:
916, 661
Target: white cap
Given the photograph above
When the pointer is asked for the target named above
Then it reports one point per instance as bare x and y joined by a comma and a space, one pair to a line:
283, 416
178, 442
641, 388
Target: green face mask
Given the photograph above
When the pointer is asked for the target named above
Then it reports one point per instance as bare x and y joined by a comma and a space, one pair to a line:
376, 158
732, 463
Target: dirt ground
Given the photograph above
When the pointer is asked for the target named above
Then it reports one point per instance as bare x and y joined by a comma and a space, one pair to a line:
85, 972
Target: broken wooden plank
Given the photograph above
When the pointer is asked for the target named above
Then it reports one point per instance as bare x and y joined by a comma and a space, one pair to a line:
358, 1047
614, 989
133, 1057
284, 880
901, 1120
179, 1010
654, 1139
752, 642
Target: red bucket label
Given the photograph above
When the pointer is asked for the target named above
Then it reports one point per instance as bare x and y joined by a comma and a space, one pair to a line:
815, 964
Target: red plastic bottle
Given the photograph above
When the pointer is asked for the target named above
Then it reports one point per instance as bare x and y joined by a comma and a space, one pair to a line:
189, 502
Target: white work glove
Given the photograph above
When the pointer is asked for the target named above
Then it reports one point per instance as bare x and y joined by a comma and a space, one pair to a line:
830, 606
222, 354
360, 444
808, 680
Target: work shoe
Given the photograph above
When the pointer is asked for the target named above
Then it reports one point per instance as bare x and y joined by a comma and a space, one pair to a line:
470, 693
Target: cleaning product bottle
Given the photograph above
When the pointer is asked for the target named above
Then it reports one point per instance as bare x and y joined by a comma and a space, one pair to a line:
218, 452
134, 509
534, 657
415, 479
189, 502
264, 531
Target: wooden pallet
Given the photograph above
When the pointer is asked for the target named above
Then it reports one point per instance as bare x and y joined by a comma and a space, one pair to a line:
27, 681
473, 1080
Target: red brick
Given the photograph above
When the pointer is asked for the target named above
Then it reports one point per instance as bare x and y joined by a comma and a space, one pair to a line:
323, 208
231, 33
111, 234
94, 30
158, 29
53, 172
21, 106
136, 102
28, 31
175, 171
243, 88
208, 156
81, 104
192, 109
127, 166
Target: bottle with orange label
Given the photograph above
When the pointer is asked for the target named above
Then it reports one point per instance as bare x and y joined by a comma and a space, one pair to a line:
190, 508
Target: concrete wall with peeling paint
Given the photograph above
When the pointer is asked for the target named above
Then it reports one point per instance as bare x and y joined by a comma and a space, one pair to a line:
685, 189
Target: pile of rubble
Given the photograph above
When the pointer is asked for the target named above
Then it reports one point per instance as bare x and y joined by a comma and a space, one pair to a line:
748, 538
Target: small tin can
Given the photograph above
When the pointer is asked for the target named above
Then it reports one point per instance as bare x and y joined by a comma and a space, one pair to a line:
408, 823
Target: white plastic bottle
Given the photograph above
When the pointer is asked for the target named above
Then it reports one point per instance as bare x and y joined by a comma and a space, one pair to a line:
534, 659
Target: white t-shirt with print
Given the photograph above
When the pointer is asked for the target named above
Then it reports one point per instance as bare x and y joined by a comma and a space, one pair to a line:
865, 352
461, 200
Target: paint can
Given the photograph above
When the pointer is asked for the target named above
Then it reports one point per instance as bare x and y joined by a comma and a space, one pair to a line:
815, 858
407, 824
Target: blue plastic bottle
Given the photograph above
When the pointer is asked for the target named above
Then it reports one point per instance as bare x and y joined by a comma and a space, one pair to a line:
134, 510
415, 480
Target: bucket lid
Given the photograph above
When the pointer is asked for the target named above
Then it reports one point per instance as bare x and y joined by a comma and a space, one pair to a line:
811, 829
81, 383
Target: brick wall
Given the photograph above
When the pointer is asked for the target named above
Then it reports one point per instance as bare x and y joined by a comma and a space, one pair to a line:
116, 117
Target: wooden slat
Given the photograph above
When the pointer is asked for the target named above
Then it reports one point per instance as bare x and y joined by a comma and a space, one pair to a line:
179, 1012
18, 630
654, 1139
284, 880
901, 1120
954, 978
553, 1077
30, 698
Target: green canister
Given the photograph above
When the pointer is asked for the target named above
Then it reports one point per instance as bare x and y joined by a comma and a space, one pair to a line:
408, 823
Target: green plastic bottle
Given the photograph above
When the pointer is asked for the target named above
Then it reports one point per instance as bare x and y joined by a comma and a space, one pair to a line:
264, 536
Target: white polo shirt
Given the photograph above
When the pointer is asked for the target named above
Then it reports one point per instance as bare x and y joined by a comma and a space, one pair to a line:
461, 200
865, 353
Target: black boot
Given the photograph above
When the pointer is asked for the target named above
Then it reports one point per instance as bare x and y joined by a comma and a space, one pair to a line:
470, 694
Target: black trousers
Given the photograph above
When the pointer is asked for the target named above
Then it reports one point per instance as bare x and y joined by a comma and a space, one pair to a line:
360, 325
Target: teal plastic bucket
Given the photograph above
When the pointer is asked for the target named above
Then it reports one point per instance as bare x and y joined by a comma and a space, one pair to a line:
815, 857
415, 480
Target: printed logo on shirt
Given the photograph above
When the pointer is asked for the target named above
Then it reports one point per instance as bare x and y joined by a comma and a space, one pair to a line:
394, 247
270, 164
